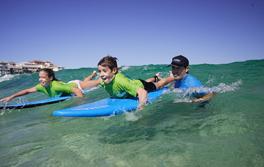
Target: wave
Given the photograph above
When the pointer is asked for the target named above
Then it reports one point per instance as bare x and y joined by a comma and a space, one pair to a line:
132, 116
124, 68
185, 95
222, 87
7, 77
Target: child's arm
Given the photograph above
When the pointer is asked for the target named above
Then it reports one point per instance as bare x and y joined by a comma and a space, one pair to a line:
90, 77
21, 93
142, 97
87, 84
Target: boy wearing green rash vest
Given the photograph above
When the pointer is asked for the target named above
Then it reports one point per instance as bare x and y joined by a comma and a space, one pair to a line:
122, 87
49, 85
119, 86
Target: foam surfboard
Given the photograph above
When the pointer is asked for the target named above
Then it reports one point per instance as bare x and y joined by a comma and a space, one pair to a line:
37, 103
106, 107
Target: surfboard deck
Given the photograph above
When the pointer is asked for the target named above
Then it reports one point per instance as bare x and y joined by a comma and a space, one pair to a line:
35, 103
38, 102
106, 107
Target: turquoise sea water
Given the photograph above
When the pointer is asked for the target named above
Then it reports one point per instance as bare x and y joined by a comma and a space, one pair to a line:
169, 132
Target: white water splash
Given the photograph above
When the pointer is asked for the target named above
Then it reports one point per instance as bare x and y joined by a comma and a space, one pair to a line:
7, 77
18, 100
132, 116
182, 96
145, 68
222, 87
21, 100
124, 68
211, 80
185, 96
183, 100
91, 89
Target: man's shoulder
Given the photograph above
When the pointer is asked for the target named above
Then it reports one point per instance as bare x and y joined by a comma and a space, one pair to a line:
191, 77
193, 81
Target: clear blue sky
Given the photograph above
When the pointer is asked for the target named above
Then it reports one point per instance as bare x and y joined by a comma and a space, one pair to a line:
77, 33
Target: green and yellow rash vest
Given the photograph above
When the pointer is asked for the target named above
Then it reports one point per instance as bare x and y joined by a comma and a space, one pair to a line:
56, 88
122, 87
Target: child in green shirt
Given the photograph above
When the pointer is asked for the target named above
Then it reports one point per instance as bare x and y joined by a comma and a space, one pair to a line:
118, 85
49, 85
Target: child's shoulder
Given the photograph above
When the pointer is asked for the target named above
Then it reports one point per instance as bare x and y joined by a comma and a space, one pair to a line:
122, 79
39, 86
59, 84
120, 75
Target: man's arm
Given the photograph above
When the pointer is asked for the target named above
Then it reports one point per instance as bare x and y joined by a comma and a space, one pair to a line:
206, 97
164, 82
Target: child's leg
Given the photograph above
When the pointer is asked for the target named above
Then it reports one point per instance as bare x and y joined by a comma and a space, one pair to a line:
150, 79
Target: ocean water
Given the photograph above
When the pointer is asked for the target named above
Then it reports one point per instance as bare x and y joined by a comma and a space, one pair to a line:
169, 132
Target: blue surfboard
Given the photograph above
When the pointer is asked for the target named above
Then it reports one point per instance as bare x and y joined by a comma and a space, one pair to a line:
35, 103
38, 102
106, 107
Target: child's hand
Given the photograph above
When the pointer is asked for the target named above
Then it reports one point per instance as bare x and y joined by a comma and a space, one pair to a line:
7, 99
171, 74
140, 107
94, 74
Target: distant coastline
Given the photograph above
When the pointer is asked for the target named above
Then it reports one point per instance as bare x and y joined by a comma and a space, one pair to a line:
26, 67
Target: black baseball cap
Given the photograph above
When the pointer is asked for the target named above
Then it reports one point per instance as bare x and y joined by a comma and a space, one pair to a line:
180, 61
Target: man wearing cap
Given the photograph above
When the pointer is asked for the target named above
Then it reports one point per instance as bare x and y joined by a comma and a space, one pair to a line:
183, 80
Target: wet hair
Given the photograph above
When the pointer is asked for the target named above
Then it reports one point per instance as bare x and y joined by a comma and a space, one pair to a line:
108, 61
50, 73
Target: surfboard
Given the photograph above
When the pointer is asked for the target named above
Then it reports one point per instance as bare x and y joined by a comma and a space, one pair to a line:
38, 102
35, 103
106, 107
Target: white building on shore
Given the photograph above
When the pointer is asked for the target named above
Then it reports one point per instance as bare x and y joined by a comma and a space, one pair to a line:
26, 67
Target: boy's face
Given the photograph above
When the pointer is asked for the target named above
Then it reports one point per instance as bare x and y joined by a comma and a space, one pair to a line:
106, 74
44, 79
179, 71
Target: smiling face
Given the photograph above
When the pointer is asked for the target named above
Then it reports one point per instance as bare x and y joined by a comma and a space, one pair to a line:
106, 74
179, 71
44, 79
